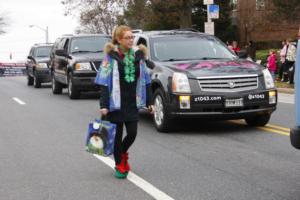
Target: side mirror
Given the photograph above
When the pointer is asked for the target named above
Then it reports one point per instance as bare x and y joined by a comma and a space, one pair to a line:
242, 54
150, 64
30, 57
61, 52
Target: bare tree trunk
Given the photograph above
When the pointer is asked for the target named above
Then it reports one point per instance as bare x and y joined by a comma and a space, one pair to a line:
185, 14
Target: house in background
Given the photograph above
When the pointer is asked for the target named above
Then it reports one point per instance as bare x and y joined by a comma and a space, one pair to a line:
255, 21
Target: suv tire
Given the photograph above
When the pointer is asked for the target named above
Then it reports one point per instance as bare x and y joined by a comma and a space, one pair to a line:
258, 120
72, 91
30, 80
56, 86
161, 117
37, 83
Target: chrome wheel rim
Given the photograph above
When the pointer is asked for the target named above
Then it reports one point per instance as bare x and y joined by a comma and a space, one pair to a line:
70, 87
53, 82
158, 113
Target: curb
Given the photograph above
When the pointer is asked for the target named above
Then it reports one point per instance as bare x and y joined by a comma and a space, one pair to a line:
286, 90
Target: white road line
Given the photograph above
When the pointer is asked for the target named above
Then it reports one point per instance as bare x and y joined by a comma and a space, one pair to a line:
18, 101
138, 181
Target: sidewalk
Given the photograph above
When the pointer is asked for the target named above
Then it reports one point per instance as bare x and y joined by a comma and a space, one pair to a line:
286, 90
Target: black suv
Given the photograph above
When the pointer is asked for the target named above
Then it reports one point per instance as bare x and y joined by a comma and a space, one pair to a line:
75, 60
37, 65
196, 75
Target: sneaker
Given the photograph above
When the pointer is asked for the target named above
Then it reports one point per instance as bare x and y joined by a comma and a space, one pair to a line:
120, 175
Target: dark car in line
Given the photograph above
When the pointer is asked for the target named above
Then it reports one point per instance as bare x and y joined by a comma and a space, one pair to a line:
75, 60
37, 65
197, 76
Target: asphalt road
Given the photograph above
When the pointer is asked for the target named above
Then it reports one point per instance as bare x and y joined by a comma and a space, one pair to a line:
42, 154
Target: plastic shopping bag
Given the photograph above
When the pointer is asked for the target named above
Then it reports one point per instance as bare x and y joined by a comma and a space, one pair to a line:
101, 137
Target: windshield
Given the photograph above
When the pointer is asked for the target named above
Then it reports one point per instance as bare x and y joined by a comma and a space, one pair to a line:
42, 51
189, 48
88, 44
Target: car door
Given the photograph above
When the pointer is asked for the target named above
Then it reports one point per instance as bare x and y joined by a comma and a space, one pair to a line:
30, 62
61, 63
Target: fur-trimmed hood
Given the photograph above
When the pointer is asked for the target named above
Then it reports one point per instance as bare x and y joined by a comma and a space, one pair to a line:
109, 47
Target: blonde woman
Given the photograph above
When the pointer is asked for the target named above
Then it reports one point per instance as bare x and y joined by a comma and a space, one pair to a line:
125, 88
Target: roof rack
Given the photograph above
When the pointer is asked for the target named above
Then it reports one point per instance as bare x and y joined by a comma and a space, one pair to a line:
186, 29
137, 31
36, 44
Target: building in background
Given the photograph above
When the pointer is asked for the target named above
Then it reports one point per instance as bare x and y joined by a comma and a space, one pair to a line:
255, 21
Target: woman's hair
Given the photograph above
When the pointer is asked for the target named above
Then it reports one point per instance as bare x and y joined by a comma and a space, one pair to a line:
118, 33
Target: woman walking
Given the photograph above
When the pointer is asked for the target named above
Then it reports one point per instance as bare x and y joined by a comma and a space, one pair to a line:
125, 88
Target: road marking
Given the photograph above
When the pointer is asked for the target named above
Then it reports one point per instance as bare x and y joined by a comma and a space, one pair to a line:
278, 127
18, 101
138, 181
274, 131
269, 128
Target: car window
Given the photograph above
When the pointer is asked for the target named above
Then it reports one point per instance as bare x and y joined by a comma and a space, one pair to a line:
42, 51
88, 44
189, 48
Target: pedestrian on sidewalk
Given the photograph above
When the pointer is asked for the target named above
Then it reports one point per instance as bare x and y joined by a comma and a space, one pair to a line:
282, 54
290, 61
125, 88
235, 47
251, 50
272, 66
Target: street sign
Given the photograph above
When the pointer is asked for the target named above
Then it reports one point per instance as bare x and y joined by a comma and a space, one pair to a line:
213, 11
208, 2
209, 28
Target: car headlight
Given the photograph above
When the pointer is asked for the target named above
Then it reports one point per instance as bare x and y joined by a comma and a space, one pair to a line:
83, 66
180, 83
41, 65
269, 82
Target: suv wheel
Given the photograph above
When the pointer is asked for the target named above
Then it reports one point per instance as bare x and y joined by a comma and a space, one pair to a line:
72, 91
37, 83
161, 116
29, 80
56, 86
258, 120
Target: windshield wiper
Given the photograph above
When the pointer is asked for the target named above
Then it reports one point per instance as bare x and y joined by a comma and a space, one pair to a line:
176, 59
81, 51
211, 58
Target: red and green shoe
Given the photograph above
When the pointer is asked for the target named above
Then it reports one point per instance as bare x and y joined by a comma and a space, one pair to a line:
120, 173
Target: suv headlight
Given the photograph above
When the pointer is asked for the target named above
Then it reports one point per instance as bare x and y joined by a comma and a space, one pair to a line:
269, 82
180, 83
41, 65
83, 66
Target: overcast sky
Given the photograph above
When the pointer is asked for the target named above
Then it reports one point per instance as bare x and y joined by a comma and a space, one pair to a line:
19, 37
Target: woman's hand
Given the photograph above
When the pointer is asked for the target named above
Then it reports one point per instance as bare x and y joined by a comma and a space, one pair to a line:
151, 109
103, 111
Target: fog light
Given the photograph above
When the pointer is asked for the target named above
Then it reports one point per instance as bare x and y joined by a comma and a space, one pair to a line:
272, 97
184, 102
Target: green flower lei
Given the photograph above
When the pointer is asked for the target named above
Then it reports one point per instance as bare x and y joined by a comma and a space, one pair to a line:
129, 66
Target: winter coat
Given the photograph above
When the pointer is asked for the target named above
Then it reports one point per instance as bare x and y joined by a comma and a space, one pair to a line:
272, 62
122, 99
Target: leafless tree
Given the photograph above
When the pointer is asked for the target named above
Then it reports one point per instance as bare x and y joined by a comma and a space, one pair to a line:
95, 16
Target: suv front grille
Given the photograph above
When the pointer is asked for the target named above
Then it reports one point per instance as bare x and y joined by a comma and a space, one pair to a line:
96, 65
228, 83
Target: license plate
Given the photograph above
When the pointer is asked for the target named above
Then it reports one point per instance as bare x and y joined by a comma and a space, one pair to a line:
234, 103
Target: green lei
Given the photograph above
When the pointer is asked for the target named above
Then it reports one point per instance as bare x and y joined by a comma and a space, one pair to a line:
129, 66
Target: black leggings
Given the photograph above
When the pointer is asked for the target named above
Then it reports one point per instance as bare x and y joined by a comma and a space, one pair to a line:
123, 146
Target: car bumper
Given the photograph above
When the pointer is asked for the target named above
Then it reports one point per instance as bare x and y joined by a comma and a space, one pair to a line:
85, 81
216, 105
43, 75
